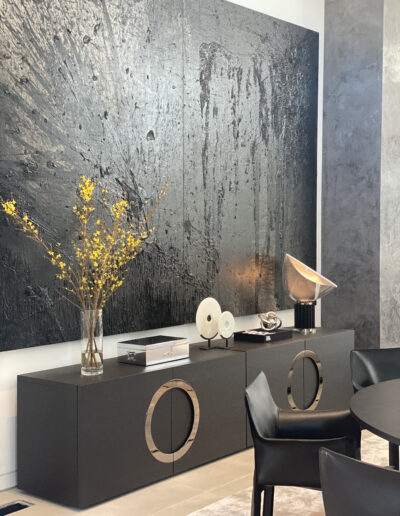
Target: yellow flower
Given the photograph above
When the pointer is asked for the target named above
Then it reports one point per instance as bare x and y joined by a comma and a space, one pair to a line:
118, 208
86, 188
9, 207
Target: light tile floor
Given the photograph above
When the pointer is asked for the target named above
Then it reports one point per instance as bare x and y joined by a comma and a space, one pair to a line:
177, 496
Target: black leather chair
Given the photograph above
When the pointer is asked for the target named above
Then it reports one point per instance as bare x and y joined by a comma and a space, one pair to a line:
370, 366
353, 488
286, 443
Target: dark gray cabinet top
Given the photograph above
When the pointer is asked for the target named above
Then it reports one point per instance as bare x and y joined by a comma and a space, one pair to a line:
114, 370
297, 337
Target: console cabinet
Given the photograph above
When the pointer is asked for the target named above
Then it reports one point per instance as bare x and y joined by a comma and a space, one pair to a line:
83, 440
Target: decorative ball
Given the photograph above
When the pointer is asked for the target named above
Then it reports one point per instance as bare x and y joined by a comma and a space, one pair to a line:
270, 321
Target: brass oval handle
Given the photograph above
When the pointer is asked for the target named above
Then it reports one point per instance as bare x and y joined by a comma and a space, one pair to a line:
178, 454
315, 358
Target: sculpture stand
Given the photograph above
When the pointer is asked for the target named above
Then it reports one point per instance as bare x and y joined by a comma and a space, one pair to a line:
226, 347
209, 347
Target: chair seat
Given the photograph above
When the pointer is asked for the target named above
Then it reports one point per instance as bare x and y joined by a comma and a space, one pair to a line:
328, 424
294, 462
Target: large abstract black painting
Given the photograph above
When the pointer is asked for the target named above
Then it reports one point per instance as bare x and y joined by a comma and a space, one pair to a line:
218, 99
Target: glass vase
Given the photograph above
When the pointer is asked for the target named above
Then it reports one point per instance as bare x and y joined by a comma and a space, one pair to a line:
91, 342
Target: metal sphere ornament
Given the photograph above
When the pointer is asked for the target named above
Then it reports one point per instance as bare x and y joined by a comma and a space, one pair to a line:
270, 321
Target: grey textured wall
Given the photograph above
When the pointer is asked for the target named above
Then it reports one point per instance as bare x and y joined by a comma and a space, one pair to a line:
390, 179
219, 99
351, 165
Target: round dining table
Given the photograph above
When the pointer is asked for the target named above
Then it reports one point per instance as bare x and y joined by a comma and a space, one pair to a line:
377, 409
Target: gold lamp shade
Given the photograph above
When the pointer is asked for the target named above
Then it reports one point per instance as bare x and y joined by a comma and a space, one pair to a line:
303, 284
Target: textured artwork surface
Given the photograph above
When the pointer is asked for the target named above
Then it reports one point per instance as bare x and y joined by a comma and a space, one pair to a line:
218, 99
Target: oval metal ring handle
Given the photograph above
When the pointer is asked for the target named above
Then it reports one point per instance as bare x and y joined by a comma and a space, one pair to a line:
178, 454
314, 357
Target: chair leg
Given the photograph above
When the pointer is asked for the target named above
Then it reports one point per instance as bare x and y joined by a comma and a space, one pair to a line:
256, 500
394, 456
358, 449
268, 509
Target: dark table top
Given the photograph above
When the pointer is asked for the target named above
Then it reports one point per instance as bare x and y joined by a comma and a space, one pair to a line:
377, 408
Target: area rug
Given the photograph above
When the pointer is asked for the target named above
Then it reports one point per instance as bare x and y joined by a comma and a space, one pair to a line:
294, 500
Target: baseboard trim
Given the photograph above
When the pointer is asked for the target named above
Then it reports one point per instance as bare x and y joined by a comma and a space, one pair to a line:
8, 480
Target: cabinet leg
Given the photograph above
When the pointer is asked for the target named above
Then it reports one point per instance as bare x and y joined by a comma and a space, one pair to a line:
394, 456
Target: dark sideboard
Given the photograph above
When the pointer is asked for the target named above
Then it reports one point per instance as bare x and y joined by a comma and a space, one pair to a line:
84, 440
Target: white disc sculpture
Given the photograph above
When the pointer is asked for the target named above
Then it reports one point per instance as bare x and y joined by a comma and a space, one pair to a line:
207, 318
226, 325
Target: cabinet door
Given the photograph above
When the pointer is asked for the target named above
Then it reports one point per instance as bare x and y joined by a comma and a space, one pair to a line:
113, 455
333, 352
275, 360
47, 443
219, 386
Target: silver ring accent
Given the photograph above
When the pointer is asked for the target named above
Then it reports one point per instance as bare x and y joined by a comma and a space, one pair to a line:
178, 454
314, 357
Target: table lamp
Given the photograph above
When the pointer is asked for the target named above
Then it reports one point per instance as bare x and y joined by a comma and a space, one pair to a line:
304, 286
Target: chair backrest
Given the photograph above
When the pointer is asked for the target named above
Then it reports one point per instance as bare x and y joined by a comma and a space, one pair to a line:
353, 488
261, 408
370, 366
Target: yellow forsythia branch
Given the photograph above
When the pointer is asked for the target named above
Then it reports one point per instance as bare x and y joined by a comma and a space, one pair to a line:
105, 247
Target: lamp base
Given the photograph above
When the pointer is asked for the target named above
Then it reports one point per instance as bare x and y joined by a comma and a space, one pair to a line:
304, 317
306, 331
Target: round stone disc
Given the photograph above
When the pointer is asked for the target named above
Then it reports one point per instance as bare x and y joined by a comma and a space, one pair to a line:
226, 325
207, 317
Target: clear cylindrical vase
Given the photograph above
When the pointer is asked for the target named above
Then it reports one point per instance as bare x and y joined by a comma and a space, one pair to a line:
91, 342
